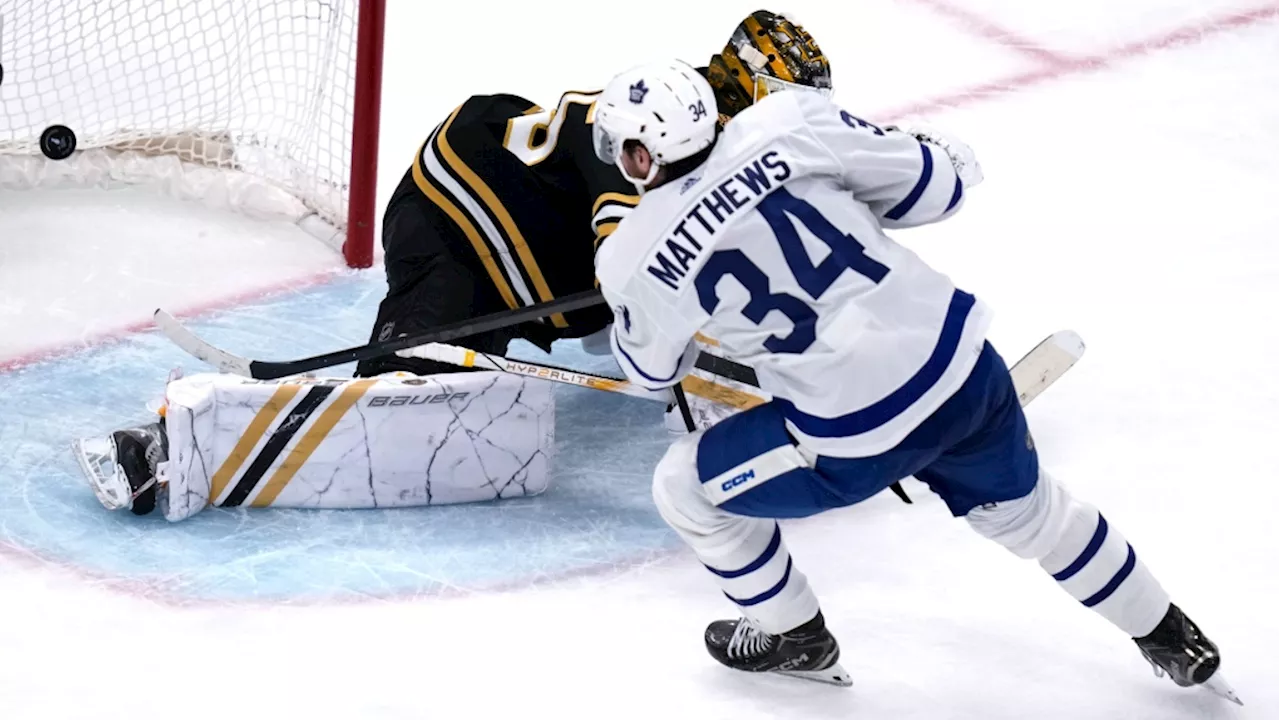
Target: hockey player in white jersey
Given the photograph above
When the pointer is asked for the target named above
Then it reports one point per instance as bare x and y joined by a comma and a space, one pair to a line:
770, 237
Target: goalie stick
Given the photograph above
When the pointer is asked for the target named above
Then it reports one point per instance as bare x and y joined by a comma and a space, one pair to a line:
225, 361
195, 346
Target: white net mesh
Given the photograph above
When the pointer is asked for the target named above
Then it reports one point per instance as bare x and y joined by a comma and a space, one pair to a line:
164, 90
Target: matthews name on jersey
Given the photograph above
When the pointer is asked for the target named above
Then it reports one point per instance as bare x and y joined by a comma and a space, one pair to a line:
855, 336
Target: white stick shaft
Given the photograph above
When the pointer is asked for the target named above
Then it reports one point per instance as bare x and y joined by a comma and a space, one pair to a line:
463, 357
198, 348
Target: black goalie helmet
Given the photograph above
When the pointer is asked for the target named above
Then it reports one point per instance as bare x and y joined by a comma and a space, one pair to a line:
767, 52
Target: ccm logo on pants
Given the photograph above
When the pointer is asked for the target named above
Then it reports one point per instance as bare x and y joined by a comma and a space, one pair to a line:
754, 472
737, 480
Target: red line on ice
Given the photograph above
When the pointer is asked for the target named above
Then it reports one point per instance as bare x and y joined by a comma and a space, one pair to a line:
165, 590
1185, 35
977, 25
106, 337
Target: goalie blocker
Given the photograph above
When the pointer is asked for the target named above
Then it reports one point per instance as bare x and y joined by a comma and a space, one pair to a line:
391, 441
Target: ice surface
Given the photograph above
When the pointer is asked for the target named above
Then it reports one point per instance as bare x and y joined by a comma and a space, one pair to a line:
1132, 199
158, 252
595, 513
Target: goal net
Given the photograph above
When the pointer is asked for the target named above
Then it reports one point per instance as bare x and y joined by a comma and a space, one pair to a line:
256, 105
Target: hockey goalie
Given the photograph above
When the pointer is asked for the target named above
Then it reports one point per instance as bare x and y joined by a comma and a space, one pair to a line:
410, 431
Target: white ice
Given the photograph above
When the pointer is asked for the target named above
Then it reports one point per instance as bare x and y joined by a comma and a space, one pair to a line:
1130, 196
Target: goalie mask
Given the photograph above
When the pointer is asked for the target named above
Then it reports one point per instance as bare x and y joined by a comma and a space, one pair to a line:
767, 53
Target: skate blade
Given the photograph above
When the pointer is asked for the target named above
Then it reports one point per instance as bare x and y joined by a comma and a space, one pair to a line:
834, 675
1219, 686
97, 459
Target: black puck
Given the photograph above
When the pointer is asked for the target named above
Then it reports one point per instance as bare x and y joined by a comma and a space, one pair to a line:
1, 73
57, 142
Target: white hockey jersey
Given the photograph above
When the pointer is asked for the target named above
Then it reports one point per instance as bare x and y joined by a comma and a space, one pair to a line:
775, 248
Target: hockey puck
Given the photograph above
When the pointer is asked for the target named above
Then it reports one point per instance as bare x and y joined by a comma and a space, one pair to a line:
1, 73
57, 142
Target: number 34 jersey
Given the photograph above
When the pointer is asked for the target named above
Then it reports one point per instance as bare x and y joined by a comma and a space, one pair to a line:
776, 248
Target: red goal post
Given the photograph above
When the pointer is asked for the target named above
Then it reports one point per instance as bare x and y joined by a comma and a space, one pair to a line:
268, 107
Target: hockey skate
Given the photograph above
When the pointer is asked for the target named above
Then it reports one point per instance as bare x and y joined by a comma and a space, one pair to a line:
809, 652
1177, 648
122, 467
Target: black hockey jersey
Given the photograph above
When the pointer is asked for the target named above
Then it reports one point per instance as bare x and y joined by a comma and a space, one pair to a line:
525, 189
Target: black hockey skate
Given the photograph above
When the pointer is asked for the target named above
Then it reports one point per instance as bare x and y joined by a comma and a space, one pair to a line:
1177, 648
809, 652
122, 467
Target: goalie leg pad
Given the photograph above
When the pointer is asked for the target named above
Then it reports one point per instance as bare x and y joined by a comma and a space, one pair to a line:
395, 441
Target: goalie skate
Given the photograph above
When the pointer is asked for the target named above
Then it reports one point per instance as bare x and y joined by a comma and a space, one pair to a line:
122, 467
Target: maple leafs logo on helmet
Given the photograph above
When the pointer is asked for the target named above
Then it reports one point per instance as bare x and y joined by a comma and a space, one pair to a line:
670, 120
638, 91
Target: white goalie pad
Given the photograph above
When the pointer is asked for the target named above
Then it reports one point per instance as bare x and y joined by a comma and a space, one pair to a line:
393, 441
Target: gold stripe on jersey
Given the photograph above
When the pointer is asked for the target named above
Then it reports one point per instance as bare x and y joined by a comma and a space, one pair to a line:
249, 439
621, 199
604, 231
460, 219
320, 429
765, 41
609, 210
485, 194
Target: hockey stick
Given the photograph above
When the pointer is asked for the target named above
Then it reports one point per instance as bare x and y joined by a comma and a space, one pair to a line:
1045, 363
225, 361
682, 404
1032, 374
195, 346
462, 357
726, 368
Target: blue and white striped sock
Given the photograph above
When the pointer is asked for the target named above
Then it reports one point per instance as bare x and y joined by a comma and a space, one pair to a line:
1090, 559
1096, 565
759, 576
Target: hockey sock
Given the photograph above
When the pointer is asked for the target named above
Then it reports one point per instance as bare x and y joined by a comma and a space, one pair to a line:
1085, 554
746, 555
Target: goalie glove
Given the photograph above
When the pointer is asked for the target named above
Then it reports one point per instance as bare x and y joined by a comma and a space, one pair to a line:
962, 156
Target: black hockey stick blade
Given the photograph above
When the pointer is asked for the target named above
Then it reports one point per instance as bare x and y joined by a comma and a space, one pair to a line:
726, 368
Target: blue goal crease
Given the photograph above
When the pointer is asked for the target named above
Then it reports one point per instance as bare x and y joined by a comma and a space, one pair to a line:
597, 512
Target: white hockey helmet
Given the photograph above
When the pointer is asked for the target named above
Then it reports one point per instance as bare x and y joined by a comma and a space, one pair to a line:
666, 106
